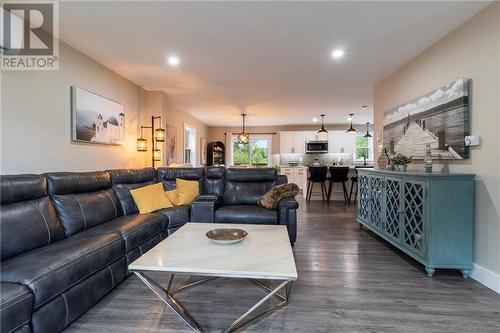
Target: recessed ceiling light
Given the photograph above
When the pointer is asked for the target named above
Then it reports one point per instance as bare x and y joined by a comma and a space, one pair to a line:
173, 61
315, 119
364, 107
337, 54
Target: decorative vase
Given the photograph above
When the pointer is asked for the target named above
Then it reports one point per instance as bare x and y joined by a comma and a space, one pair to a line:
383, 160
428, 158
400, 167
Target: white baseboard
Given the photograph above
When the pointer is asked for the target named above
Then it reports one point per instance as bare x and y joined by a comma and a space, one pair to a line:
486, 277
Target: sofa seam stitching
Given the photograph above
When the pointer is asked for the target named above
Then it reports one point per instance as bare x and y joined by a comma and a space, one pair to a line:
15, 300
114, 206
44, 220
83, 213
20, 325
66, 309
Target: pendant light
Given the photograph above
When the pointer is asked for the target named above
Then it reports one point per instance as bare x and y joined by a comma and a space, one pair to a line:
367, 135
243, 136
351, 129
322, 130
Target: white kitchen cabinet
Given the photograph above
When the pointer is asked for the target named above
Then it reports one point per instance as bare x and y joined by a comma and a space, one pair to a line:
286, 142
299, 142
341, 142
297, 175
292, 142
314, 136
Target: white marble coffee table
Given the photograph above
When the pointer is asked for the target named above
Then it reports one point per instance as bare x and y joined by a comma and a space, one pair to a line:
265, 254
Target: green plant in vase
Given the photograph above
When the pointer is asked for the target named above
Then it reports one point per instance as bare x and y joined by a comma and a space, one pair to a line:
401, 161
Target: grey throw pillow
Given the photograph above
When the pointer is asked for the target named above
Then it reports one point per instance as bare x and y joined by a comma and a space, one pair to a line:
272, 198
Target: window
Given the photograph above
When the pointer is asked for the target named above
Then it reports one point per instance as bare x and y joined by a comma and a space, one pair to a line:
189, 144
364, 148
255, 153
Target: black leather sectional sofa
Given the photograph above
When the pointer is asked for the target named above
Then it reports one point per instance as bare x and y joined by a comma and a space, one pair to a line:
67, 238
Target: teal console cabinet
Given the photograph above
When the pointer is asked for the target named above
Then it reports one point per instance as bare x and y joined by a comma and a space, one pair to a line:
429, 216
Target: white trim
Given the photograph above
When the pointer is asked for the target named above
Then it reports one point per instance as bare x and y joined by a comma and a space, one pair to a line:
192, 130
486, 277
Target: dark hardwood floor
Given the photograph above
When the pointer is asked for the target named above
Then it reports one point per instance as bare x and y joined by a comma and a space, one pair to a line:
349, 281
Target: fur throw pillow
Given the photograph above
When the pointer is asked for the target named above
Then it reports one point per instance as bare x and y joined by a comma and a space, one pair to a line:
272, 198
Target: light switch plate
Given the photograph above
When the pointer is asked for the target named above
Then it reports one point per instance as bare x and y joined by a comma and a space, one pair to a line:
472, 140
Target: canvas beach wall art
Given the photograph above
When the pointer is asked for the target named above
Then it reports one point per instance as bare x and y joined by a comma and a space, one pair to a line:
96, 119
439, 118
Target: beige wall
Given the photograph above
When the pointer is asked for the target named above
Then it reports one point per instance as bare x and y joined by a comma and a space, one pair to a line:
158, 103
36, 118
471, 51
217, 133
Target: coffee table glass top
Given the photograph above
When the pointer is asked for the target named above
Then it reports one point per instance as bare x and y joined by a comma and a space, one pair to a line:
264, 254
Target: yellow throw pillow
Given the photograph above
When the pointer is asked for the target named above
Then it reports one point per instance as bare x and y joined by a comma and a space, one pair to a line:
172, 197
187, 191
150, 198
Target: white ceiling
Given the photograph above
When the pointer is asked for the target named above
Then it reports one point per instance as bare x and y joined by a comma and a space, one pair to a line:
271, 59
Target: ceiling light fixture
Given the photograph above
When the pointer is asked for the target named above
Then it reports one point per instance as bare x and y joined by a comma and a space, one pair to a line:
322, 130
364, 107
367, 135
315, 120
173, 61
337, 54
243, 136
351, 129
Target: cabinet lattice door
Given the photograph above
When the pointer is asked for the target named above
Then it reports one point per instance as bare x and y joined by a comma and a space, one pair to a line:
376, 201
363, 189
413, 236
392, 206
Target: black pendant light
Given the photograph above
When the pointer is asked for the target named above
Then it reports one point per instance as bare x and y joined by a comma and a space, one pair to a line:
322, 130
367, 135
243, 136
351, 129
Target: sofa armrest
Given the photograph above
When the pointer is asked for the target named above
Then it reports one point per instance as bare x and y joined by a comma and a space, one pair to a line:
287, 215
203, 208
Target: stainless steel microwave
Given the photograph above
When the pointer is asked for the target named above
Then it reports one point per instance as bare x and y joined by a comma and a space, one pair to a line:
317, 147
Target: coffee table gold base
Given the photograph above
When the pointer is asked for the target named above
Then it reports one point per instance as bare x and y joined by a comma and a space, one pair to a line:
166, 295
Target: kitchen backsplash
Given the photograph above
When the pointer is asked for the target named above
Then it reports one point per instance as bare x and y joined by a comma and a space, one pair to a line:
324, 159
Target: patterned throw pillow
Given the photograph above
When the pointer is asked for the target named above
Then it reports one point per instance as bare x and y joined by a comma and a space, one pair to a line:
272, 198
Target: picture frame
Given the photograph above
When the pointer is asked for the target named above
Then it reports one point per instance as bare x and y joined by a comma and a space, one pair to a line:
96, 119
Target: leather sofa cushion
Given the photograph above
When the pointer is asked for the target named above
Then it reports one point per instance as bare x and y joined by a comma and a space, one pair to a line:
50, 270
134, 229
82, 199
169, 175
14, 188
80, 211
245, 193
15, 306
125, 180
246, 186
59, 312
28, 219
214, 181
177, 216
251, 175
246, 214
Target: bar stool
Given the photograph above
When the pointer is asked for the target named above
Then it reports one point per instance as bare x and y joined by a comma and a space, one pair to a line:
338, 175
316, 175
354, 180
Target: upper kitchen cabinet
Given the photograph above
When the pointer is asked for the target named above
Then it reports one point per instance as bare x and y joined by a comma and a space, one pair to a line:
292, 142
314, 136
341, 142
